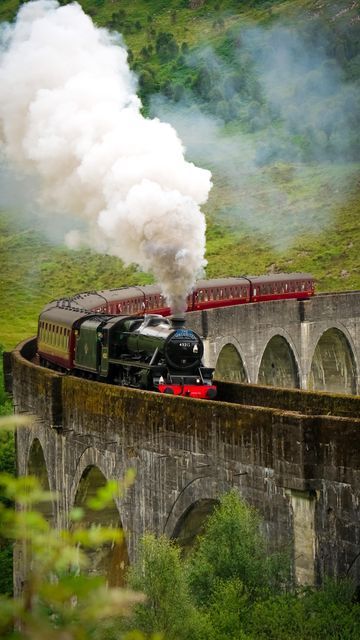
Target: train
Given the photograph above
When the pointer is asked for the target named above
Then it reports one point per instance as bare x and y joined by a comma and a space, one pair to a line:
207, 294
149, 352
127, 336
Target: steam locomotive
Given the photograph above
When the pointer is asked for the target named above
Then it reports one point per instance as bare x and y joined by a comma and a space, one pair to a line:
146, 352
123, 335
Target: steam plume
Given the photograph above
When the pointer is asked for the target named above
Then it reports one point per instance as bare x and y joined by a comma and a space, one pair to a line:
70, 115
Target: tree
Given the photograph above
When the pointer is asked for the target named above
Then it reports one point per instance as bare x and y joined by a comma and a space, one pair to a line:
158, 572
233, 547
166, 46
58, 600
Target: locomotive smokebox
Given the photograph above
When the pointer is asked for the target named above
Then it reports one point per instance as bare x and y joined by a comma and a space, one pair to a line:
177, 322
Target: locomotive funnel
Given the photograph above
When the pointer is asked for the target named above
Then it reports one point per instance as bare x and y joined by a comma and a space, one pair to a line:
177, 322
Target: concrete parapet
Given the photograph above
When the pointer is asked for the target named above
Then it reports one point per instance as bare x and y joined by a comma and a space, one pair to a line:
306, 402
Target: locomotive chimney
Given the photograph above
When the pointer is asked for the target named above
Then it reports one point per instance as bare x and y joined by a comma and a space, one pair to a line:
177, 322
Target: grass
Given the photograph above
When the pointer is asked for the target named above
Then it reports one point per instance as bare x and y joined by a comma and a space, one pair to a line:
311, 225
282, 217
34, 271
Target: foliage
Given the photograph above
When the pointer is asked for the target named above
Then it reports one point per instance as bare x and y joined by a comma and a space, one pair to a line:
258, 220
58, 600
226, 609
7, 465
317, 614
5, 403
234, 548
230, 589
158, 573
166, 46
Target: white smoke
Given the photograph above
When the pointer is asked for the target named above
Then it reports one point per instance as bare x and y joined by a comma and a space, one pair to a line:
69, 113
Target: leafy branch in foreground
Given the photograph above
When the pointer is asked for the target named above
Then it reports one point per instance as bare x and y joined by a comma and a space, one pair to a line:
59, 600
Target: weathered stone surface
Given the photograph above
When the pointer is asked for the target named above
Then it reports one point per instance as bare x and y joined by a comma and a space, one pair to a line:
185, 451
300, 325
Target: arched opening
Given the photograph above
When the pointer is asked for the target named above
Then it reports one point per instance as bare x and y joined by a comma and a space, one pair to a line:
111, 559
37, 467
192, 523
278, 365
229, 366
333, 366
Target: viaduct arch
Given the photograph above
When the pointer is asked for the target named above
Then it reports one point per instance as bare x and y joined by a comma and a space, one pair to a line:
294, 455
322, 335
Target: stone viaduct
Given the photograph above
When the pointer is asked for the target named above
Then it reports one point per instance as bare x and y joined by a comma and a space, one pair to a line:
292, 453
313, 345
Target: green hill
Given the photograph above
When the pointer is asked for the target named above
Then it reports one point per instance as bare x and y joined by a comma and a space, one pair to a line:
264, 94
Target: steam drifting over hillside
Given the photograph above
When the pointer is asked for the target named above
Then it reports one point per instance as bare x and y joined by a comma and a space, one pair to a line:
69, 115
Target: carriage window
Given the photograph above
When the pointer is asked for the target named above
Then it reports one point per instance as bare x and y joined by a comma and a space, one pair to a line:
254, 291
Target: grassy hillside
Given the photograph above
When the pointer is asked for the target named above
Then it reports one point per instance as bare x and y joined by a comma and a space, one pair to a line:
33, 271
286, 186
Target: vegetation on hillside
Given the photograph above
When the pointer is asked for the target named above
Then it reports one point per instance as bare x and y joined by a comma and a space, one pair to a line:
264, 94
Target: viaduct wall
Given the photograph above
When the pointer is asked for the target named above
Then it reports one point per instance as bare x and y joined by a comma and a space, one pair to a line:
313, 344
301, 471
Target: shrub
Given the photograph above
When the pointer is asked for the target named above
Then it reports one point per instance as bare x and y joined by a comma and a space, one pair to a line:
233, 547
